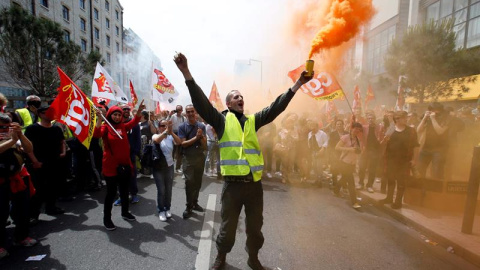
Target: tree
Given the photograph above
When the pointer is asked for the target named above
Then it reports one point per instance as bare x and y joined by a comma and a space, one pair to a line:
426, 55
31, 48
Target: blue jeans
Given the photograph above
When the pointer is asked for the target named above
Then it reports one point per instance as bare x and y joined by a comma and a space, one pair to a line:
164, 181
437, 158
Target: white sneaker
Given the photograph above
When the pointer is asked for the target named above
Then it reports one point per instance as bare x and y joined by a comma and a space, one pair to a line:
162, 216
278, 174
356, 206
370, 190
151, 176
168, 214
183, 176
269, 175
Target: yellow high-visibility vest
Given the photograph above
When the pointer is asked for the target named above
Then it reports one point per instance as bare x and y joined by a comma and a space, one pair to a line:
26, 117
240, 151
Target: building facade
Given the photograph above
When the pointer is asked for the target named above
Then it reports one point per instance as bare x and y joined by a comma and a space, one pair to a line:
91, 24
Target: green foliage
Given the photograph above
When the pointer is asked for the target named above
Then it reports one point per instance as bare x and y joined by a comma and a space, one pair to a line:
427, 56
31, 48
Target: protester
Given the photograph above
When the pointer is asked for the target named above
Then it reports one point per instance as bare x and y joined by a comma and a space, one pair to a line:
147, 129
194, 144
284, 149
333, 155
212, 163
317, 143
15, 185
434, 128
177, 119
370, 158
135, 146
401, 151
117, 165
266, 138
3, 103
241, 162
48, 148
350, 147
163, 166
29, 115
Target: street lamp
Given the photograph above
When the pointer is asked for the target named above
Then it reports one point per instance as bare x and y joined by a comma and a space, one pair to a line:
261, 69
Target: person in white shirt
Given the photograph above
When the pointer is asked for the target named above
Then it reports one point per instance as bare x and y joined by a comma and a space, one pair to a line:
317, 143
177, 119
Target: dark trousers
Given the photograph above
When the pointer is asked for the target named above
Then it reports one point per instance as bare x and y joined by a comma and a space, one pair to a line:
235, 195
193, 166
48, 183
20, 211
114, 182
268, 154
397, 172
133, 188
369, 161
347, 178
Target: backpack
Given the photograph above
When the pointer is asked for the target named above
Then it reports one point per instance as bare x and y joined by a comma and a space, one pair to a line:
147, 156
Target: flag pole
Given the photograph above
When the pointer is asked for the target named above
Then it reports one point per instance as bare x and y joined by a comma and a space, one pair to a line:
108, 123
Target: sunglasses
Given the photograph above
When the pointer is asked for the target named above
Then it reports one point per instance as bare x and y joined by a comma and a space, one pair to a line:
162, 125
126, 109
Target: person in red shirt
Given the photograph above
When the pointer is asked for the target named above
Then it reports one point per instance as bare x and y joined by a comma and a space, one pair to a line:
117, 166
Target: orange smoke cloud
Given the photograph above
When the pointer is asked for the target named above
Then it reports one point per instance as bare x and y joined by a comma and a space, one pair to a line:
344, 19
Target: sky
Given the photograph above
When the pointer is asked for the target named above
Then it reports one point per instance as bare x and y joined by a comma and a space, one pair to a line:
214, 34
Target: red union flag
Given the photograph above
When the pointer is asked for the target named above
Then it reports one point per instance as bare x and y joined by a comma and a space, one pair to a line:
133, 95
356, 98
323, 86
370, 96
72, 108
214, 98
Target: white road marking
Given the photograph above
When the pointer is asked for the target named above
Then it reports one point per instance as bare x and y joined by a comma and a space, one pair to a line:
206, 237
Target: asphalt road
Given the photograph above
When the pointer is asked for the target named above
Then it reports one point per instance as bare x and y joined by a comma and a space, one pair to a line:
305, 228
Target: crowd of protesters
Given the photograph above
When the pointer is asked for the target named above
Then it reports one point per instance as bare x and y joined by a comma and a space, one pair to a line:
347, 151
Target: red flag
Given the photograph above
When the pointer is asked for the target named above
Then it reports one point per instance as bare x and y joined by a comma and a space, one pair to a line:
158, 108
133, 95
370, 96
72, 108
215, 98
323, 87
356, 98
331, 110
400, 95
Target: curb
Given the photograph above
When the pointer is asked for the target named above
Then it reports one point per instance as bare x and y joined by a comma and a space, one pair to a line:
443, 241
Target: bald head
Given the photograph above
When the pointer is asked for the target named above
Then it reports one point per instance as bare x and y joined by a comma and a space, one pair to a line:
234, 101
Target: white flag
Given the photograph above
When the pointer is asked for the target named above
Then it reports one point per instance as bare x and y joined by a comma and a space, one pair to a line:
104, 86
162, 90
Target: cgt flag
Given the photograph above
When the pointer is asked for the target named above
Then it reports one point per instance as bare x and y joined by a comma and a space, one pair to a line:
214, 98
162, 90
133, 95
105, 88
72, 108
323, 86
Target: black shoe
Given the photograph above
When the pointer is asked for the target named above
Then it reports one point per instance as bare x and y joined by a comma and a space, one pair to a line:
385, 201
109, 225
198, 208
33, 221
396, 205
187, 213
219, 262
254, 263
129, 217
55, 211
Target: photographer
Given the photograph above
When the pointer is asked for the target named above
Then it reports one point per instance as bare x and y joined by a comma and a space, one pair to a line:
350, 146
434, 128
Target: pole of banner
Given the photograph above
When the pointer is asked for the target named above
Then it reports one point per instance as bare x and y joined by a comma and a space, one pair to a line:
108, 123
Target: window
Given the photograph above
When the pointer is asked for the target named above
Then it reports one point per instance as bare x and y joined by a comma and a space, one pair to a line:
95, 14
84, 45
107, 23
118, 47
83, 24
66, 13
82, 4
109, 58
117, 15
66, 36
117, 30
108, 40
377, 49
433, 11
44, 3
107, 5
446, 8
97, 48
97, 33
473, 38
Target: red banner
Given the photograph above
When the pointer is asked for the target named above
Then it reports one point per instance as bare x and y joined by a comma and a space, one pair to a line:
323, 86
214, 98
356, 98
133, 95
72, 108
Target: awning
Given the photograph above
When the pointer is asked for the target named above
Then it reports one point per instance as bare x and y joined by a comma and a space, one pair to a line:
472, 94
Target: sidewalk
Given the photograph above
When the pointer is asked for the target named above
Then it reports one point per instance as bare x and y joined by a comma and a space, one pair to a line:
444, 228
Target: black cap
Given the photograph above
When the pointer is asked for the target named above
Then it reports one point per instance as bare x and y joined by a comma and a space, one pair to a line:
43, 108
